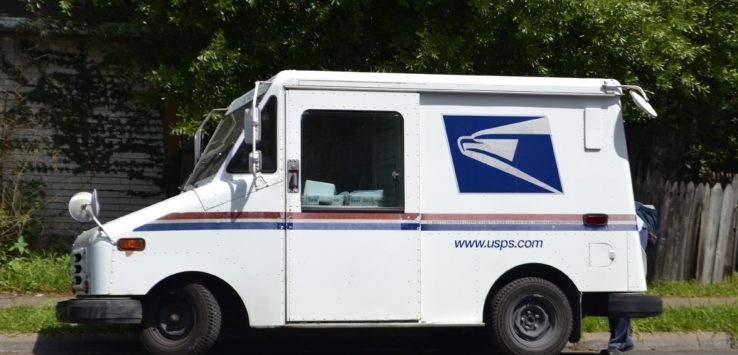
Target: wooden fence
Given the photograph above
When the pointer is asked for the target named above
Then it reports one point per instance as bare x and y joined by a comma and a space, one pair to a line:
697, 229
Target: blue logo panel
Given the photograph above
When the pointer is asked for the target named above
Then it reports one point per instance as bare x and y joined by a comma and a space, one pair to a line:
502, 154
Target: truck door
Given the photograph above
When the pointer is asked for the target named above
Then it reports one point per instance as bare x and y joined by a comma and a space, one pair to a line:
353, 233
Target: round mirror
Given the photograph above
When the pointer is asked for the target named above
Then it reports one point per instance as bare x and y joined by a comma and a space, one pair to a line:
642, 104
78, 206
94, 204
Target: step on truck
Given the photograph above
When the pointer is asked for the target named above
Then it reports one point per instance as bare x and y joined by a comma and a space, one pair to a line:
331, 199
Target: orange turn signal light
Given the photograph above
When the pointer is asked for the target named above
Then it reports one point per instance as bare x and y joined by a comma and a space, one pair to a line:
131, 244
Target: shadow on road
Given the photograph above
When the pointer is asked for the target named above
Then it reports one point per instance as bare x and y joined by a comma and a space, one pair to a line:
292, 341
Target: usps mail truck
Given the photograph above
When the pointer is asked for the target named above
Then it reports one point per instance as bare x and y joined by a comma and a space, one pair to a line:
329, 199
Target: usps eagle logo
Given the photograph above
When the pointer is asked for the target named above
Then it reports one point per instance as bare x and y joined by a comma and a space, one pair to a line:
503, 154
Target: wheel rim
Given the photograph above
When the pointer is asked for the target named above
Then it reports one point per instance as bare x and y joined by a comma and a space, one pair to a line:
532, 320
175, 318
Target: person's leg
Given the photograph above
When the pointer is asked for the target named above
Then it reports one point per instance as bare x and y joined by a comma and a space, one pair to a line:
621, 337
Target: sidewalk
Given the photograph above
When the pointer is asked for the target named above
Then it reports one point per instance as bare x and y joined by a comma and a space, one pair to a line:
37, 300
698, 301
661, 341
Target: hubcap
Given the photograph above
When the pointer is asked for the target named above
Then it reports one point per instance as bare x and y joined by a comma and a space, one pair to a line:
531, 321
176, 318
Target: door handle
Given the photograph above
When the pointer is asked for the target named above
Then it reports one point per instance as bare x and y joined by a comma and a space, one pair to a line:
293, 176
293, 182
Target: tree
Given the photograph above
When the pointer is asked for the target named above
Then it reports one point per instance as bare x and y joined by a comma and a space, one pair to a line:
199, 54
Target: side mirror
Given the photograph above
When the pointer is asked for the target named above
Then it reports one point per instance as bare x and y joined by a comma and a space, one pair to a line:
256, 116
252, 134
94, 204
252, 124
636, 94
248, 124
255, 161
252, 121
642, 103
84, 206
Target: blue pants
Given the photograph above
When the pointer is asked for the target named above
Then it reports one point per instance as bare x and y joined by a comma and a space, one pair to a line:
621, 336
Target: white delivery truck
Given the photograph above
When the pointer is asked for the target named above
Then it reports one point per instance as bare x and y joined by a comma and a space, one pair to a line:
329, 199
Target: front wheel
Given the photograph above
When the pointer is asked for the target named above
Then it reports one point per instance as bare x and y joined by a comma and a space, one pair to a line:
530, 316
185, 319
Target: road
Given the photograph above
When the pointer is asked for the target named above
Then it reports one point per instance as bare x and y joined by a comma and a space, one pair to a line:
290, 341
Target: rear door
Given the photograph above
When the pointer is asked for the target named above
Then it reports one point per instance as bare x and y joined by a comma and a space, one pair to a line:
353, 236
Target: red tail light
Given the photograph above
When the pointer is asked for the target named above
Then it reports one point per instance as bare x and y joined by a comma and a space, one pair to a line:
595, 219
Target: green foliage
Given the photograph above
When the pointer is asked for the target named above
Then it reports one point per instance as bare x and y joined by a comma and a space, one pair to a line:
20, 246
712, 318
29, 319
19, 201
693, 288
199, 55
36, 273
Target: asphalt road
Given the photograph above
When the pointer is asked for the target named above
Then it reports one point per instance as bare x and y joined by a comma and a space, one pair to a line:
286, 341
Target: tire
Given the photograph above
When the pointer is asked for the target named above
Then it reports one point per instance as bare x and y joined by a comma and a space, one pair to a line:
530, 316
185, 319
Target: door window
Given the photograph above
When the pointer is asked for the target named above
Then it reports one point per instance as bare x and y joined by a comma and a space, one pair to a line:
352, 160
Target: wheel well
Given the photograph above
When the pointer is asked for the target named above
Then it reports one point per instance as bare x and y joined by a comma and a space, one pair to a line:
545, 272
235, 316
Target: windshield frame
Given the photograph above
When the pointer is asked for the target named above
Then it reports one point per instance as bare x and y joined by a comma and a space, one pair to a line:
224, 141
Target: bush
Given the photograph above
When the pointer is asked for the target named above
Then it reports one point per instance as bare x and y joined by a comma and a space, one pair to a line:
19, 201
36, 273
20, 197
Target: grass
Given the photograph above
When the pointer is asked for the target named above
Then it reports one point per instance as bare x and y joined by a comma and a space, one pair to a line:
716, 318
29, 319
693, 288
37, 273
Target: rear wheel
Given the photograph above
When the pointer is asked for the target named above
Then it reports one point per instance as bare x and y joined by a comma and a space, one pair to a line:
530, 316
185, 319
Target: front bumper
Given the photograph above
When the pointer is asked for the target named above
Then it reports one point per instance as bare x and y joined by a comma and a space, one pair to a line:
634, 305
100, 311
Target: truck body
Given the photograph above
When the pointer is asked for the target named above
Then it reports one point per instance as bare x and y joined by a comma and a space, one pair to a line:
392, 199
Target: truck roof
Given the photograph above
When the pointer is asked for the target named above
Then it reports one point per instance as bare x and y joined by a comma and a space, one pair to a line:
437, 83
444, 83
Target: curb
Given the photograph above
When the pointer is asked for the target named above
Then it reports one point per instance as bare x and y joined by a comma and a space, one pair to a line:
698, 301
661, 341
39, 300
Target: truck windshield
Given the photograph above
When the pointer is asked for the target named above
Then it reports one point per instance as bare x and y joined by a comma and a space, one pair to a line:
222, 139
